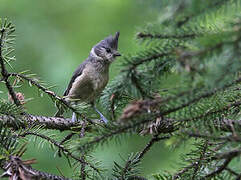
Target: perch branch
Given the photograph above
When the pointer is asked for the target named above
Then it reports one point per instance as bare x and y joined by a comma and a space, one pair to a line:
48, 122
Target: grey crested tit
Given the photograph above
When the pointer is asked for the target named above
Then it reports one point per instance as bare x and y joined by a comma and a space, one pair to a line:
91, 77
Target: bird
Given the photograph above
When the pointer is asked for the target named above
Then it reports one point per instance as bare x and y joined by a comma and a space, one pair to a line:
92, 75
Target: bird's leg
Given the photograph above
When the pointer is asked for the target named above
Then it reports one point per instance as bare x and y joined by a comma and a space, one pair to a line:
74, 117
102, 117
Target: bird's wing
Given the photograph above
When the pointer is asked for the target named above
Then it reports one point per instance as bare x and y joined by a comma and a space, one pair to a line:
76, 74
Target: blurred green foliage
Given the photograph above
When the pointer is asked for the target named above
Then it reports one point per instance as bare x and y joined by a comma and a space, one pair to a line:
53, 37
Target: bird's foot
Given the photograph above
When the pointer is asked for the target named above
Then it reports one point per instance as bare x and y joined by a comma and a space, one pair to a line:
103, 119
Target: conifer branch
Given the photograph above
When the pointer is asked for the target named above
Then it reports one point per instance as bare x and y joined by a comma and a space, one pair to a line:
222, 167
16, 168
47, 122
167, 125
4, 71
160, 36
205, 136
135, 81
61, 147
223, 109
182, 171
136, 178
231, 171
199, 162
83, 172
194, 15
128, 166
227, 156
134, 65
198, 98
151, 143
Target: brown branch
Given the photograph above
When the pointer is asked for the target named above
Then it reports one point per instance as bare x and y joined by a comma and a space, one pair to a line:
5, 73
47, 122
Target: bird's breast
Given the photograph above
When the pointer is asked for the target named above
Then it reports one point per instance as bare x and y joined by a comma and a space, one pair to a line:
98, 76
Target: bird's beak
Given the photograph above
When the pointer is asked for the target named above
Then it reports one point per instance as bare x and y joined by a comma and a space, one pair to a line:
117, 54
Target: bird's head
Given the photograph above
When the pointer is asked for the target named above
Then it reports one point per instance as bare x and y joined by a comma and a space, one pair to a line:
106, 49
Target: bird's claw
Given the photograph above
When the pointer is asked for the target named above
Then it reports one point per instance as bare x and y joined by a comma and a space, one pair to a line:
103, 119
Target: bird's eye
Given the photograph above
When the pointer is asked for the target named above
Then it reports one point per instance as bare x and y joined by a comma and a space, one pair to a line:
108, 50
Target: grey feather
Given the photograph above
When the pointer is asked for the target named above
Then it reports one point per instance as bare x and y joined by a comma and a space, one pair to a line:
76, 73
